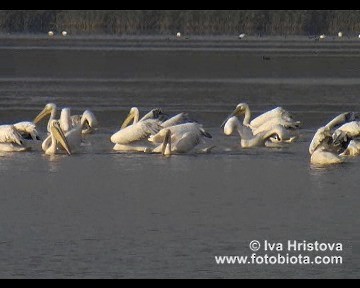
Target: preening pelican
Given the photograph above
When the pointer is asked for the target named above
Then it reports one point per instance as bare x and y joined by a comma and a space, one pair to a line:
11, 140
178, 139
277, 134
129, 137
50, 109
55, 140
263, 123
323, 149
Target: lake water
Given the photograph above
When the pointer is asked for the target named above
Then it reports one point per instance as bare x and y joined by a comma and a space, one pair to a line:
101, 214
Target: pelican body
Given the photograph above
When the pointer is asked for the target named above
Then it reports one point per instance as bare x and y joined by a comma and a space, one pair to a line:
179, 139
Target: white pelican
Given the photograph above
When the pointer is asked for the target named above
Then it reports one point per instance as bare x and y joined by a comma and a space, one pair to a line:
128, 138
322, 149
64, 33
51, 33
178, 34
56, 140
11, 140
277, 133
74, 130
50, 109
262, 123
178, 139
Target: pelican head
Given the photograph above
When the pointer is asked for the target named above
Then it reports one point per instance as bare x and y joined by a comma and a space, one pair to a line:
59, 136
133, 115
89, 121
49, 108
239, 110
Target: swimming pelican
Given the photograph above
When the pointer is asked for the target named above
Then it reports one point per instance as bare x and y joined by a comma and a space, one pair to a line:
322, 149
55, 140
11, 140
262, 123
277, 133
50, 109
129, 137
178, 139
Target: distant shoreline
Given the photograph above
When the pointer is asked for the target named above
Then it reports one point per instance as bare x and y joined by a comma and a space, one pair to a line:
225, 37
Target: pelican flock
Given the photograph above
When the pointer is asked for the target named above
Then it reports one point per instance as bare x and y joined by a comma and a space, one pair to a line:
157, 132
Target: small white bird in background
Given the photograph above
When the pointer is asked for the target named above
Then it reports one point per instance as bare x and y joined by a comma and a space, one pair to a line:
178, 35
64, 33
51, 33
322, 36
241, 36
340, 34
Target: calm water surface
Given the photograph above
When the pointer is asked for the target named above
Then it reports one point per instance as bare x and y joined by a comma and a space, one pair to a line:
99, 214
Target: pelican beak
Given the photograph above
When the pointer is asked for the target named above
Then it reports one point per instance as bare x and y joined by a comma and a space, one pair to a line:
60, 138
128, 119
166, 148
236, 112
42, 115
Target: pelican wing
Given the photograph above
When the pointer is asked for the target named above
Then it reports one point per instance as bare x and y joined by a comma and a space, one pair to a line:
275, 113
341, 119
187, 142
136, 132
352, 129
273, 122
176, 120
154, 114
27, 130
177, 132
9, 134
